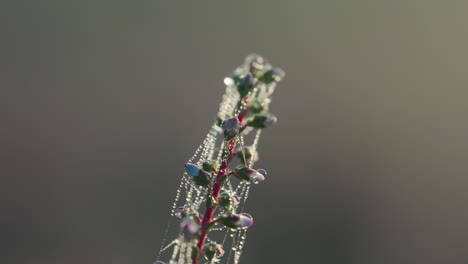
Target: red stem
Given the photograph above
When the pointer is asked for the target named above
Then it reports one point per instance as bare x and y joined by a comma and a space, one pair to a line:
209, 212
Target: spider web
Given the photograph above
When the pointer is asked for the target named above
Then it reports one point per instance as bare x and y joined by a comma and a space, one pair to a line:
189, 195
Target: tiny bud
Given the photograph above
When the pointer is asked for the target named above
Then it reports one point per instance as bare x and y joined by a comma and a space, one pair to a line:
189, 228
232, 220
261, 121
254, 58
242, 172
212, 251
247, 174
258, 176
245, 220
180, 212
245, 84
192, 169
270, 119
273, 75
231, 128
257, 64
219, 250
227, 201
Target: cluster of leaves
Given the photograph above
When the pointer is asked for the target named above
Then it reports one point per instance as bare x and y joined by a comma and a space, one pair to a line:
252, 113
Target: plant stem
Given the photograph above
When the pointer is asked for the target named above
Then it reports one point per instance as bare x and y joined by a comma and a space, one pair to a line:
209, 212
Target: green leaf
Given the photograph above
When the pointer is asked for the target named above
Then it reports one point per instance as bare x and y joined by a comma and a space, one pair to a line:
203, 179
210, 225
210, 201
247, 154
195, 253
208, 166
256, 107
223, 179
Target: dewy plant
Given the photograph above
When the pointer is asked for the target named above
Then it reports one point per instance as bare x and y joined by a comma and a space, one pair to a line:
209, 205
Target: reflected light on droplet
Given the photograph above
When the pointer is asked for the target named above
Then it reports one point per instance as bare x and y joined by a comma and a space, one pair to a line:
228, 81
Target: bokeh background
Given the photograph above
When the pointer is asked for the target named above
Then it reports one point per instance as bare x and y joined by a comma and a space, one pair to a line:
103, 102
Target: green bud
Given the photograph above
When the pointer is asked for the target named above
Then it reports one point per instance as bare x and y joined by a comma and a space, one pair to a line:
244, 173
227, 201
257, 64
203, 179
245, 84
261, 121
219, 121
273, 75
229, 219
233, 220
212, 251
231, 128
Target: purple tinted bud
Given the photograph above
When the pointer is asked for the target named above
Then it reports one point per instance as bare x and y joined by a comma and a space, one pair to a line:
245, 173
233, 220
192, 169
189, 228
278, 74
245, 220
179, 211
230, 124
270, 119
247, 80
258, 176
231, 128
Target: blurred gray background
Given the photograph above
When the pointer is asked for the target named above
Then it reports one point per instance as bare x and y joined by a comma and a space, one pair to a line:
101, 103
